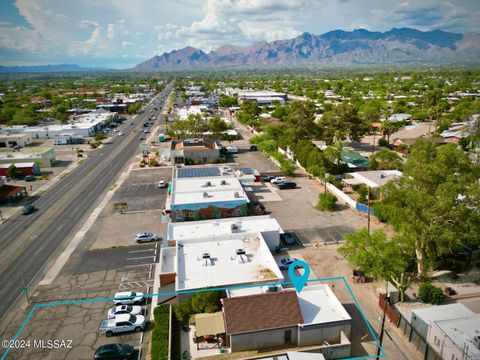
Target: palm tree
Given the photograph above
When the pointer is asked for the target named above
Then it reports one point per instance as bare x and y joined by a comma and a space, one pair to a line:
387, 129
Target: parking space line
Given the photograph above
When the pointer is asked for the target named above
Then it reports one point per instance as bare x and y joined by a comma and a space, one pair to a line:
138, 265
137, 251
139, 258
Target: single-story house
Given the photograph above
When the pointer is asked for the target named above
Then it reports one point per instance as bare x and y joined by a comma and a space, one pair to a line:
286, 318
10, 194
29, 168
400, 118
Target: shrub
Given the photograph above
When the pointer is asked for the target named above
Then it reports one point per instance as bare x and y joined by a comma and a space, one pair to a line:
94, 144
154, 162
159, 348
430, 294
326, 202
382, 142
99, 137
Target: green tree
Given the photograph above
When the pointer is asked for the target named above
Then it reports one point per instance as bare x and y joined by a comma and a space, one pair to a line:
387, 129
386, 160
326, 202
217, 126
227, 101
375, 254
12, 172
434, 205
250, 107
200, 302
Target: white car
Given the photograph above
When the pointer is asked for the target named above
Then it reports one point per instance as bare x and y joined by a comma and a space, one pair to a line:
120, 133
124, 309
278, 180
162, 184
128, 298
122, 323
232, 149
146, 237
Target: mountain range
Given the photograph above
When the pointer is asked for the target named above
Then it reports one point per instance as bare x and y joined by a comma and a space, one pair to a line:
45, 69
338, 47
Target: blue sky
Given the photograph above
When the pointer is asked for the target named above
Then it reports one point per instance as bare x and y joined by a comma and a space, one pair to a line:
122, 33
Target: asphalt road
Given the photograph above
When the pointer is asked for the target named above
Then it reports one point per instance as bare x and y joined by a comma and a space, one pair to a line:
27, 243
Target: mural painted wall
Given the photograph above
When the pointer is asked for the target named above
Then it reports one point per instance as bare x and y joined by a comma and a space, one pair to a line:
188, 212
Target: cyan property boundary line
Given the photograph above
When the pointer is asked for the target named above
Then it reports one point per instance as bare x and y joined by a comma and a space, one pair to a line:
82, 301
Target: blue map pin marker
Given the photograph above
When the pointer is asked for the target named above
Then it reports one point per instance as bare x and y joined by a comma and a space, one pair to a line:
299, 281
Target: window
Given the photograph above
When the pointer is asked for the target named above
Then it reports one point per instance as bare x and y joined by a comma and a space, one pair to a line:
436, 341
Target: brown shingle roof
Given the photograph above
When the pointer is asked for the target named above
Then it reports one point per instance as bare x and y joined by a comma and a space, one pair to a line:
261, 312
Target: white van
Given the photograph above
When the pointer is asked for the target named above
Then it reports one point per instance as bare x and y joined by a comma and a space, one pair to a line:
232, 149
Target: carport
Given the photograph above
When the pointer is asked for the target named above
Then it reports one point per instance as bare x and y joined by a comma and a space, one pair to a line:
209, 326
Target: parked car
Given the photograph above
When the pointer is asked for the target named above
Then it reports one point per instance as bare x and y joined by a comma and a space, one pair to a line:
131, 123
142, 138
289, 239
128, 298
162, 184
124, 309
284, 263
286, 185
146, 237
29, 178
232, 149
120, 133
268, 178
278, 180
114, 352
122, 323
28, 209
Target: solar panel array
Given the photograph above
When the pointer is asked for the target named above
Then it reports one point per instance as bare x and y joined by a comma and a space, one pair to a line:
245, 170
186, 172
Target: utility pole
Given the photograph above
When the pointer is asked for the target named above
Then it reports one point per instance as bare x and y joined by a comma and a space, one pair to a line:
382, 329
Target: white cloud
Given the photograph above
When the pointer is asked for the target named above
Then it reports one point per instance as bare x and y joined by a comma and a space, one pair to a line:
110, 31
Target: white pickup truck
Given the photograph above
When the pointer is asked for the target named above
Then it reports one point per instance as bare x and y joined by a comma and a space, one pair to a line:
122, 323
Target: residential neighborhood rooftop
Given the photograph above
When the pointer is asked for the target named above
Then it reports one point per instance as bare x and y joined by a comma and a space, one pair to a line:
376, 178
261, 312
320, 305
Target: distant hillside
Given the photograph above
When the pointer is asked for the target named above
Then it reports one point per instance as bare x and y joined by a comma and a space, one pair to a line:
45, 68
335, 47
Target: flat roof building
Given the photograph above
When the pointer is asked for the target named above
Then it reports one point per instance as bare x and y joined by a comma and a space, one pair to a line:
457, 338
228, 228
373, 179
199, 198
201, 263
43, 157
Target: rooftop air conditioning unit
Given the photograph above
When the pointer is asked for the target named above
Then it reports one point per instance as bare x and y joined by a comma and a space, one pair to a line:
206, 255
223, 182
476, 342
236, 194
234, 228
208, 183
205, 194
241, 251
